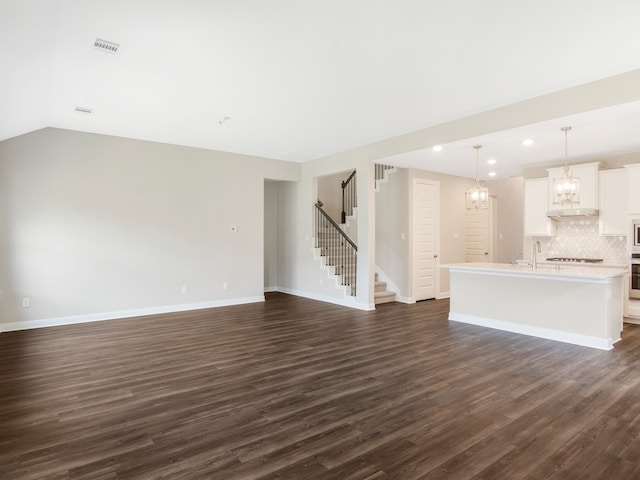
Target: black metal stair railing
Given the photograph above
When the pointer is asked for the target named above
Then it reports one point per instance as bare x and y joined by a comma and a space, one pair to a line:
349, 197
349, 193
338, 249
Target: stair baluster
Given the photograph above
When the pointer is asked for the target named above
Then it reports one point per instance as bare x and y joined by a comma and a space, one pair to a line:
339, 250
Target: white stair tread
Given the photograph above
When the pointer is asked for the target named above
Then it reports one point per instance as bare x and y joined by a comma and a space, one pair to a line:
384, 297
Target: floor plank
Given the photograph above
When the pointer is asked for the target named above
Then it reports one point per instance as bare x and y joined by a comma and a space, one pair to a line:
298, 389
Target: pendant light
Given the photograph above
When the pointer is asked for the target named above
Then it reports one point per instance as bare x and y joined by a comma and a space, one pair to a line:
477, 197
566, 189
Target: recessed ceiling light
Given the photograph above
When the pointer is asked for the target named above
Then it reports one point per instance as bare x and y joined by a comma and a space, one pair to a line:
437, 148
491, 161
527, 142
492, 174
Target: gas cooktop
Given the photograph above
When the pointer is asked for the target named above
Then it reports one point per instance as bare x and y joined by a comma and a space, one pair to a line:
575, 260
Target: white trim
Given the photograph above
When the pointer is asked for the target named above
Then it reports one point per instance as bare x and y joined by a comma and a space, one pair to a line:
138, 312
345, 302
567, 337
405, 299
270, 289
439, 296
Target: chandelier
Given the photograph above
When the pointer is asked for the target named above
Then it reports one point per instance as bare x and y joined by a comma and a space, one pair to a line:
566, 190
477, 197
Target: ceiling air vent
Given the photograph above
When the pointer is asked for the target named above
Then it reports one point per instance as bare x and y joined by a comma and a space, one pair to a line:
106, 46
84, 110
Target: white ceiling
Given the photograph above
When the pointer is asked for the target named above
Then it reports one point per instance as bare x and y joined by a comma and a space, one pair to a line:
304, 79
596, 134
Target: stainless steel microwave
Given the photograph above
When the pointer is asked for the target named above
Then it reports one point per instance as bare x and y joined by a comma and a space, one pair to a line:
636, 234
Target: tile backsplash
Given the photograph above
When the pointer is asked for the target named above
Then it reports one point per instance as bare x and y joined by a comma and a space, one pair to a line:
580, 238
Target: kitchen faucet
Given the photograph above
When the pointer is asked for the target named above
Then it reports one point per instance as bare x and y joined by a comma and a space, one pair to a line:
515, 259
535, 249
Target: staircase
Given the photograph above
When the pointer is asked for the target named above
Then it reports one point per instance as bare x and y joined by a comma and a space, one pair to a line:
382, 173
336, 250
380, 293
338, 253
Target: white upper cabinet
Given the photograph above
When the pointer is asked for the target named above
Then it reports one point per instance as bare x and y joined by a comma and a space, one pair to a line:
588, 175
633, 188
613, 202
536, 222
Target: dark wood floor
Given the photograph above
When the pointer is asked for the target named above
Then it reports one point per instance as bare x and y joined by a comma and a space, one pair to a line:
298, 389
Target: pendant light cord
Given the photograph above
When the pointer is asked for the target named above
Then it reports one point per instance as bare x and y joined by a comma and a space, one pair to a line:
477, 147
566, 150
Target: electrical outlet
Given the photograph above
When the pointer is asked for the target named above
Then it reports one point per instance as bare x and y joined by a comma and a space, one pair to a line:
185, 289
26, 302
225, 285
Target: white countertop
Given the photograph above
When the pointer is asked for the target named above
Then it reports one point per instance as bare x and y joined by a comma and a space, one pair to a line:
544, 271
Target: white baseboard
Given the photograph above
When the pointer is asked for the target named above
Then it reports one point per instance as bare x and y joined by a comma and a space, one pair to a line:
404, 299
345, 302
270, 289
139, 312
440, 296
566, 337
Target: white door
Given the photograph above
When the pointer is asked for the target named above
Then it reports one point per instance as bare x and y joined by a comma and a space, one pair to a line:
425, 222
479, 236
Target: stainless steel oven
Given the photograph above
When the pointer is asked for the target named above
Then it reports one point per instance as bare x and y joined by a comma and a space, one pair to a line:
634, 277
636, 235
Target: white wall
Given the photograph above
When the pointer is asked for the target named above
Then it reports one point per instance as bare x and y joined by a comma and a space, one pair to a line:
298, 271
270, 235
330, 192
95, 224
452, 220
393, 216
510, 195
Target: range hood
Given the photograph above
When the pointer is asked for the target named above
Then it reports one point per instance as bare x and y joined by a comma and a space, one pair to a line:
573, 212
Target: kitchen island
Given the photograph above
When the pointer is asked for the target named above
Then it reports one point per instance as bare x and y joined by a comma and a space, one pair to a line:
579, 305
